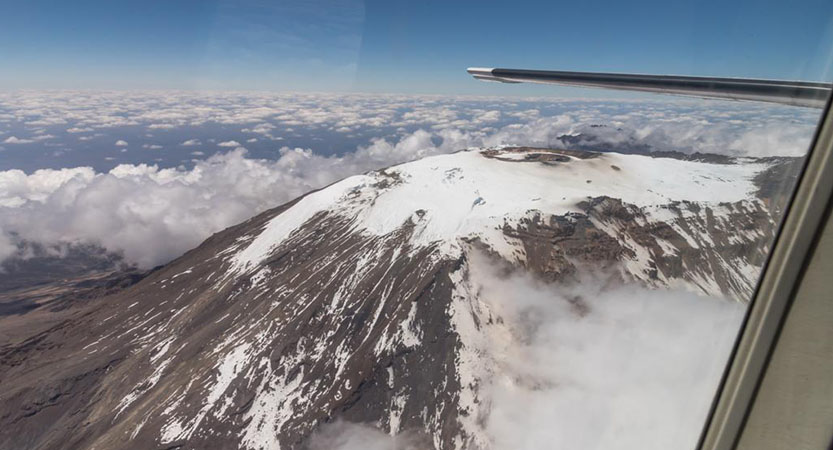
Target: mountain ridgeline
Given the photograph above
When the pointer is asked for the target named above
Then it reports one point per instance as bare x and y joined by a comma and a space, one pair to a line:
357, 302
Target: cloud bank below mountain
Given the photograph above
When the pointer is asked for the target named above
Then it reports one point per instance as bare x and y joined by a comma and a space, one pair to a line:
152, 213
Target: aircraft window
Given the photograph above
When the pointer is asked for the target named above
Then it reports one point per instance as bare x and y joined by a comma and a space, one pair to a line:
307, 225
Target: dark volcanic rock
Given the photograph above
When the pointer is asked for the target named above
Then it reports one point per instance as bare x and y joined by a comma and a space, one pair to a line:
37, 264
360, 309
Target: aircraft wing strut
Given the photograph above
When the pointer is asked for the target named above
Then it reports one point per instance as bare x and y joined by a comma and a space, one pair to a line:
795, 93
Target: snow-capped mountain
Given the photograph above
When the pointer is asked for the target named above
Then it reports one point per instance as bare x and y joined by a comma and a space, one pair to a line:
361, 302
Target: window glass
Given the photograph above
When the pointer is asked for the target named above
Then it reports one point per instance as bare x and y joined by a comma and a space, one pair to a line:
305, 225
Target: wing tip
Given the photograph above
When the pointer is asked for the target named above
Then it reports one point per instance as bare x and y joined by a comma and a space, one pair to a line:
482, 71
486, 74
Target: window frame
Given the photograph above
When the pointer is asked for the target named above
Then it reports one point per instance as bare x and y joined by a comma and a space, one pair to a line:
781, 277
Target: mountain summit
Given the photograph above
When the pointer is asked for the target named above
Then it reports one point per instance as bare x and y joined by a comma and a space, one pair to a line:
372, 301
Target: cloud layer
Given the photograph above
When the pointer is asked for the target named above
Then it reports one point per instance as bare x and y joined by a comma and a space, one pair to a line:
632, 368
64, 118
153, 212
153, 215
639, 363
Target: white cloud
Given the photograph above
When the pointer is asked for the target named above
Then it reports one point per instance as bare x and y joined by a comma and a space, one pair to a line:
341, 435
113, 209
79, 130
47, 121
151, 146
16, 140
488, 116
628, 368
7, 246
604, 380
636, 368
17, 188
121, 143
772, 140
682, 124
261, 128
424, 125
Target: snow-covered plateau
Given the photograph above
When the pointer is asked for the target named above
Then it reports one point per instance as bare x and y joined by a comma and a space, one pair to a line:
501, 298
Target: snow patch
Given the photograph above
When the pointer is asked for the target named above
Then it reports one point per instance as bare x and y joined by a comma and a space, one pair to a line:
449, 197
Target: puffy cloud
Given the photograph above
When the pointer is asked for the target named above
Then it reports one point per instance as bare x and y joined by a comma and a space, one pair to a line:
153, 215
16, 140
79, 130
140, 209
681, 124
261, 128
396, 128
341, 435
488, 116
7, 246
628, 368
772, 140
633, 368
47, 121
121, 143
18, 188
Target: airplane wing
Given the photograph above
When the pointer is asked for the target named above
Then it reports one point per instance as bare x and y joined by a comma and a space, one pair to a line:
795, 93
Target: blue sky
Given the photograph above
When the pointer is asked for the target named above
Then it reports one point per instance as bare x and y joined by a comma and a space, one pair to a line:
398, 46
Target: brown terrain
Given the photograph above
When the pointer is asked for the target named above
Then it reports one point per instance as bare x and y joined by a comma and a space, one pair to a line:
336, 324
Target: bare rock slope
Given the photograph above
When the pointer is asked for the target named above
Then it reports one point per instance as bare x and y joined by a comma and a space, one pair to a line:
354, 302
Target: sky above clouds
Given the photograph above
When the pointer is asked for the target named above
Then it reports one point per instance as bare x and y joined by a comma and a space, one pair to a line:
141, 127
401, 46
212, 111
